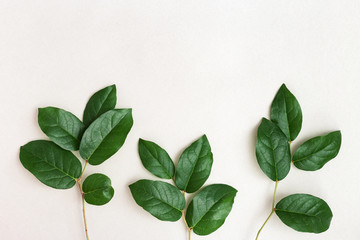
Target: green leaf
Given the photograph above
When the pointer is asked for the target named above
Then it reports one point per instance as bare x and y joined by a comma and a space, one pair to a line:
52, 165
160, 199
97, 189
105, 136
209, 208
304, 213
62, 127
99, 103
286, 113
272, 151
194, 166
316, 152
155, 159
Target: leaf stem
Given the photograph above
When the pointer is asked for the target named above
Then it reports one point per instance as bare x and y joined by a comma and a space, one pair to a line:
83, 199
271, 213
183, 216
82, 173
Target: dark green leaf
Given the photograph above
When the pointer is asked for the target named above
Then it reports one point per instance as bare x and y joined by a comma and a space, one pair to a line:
62, 127
50, 164
272, 151
316, 152
97, 189
105, 136
209, 208
99, 103
194, 166
286, 113
304, 213
160, 199
155, 159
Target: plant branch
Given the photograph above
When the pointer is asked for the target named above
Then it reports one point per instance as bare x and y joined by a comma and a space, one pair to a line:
271, 213
83, 199
82, 173
183, 216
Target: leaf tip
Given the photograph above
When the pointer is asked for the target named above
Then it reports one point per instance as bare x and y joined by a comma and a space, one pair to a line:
263, 119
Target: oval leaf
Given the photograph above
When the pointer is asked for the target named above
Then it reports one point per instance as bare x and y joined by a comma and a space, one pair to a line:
62, 127
99, 103
97, 189
52, 165
272, 151
209, 208
304, 213
160, 199
194, 166
286, 113
155, 159
316, 152
105, 136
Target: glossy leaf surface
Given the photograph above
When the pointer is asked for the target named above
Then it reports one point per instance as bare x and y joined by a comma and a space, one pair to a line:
155, 159
194, 166
52, 165
304, 213
316, 152
99, 103
209, 208
160, 199
62, 127
105, 136
97, 189
272, 151
286, 113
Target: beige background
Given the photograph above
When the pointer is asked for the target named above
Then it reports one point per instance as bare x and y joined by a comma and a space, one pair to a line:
186, 68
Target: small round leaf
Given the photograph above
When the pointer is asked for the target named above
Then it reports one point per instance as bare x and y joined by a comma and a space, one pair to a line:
97, 189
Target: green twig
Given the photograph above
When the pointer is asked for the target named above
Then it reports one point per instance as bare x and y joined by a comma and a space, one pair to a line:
271, 213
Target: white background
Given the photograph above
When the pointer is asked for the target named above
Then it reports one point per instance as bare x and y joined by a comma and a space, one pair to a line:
186, 68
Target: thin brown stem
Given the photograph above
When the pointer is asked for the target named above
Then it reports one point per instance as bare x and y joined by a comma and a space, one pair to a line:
83, 199
82, 173
183, 216
271, 213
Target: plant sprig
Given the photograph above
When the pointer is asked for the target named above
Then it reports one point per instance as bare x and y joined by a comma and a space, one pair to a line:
100, 135
302, 212
210, 206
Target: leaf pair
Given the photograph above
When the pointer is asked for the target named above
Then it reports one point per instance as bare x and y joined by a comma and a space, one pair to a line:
302, 212
208, 209
100, 135
194, 165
